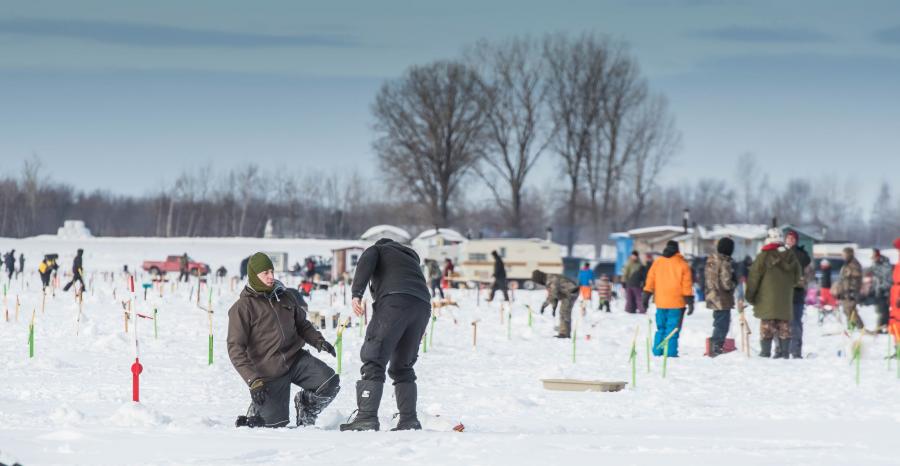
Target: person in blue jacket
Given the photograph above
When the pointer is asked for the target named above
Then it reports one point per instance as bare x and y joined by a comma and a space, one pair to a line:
586, 281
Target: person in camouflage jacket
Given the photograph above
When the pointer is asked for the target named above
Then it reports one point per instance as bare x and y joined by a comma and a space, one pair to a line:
720, 286
561, 290
848, 286
882, 274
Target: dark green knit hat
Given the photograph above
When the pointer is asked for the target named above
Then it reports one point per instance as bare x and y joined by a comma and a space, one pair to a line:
259, 262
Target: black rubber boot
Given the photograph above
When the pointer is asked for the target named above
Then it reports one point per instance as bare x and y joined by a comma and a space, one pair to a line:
783, 350
310, 404
406, 394
765, 346
368, 397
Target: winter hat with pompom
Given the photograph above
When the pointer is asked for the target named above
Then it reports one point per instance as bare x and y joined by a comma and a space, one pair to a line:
774, 236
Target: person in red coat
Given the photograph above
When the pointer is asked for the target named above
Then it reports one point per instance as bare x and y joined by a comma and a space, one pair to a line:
894, 319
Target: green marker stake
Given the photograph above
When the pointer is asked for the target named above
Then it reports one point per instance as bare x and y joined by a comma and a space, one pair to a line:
155, 332
665, 347
339, 346
574, 342
530, 319
210, 349
31, 341
857, 355
633, 360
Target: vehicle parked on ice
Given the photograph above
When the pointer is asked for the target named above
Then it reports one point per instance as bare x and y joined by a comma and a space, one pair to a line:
474, 263
173, 264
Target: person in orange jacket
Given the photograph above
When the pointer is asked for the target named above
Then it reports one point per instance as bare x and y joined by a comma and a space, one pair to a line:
894, 317
669, 280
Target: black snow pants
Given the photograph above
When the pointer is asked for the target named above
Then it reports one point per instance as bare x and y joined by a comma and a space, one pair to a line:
499, 285
393, 335
76, 277
311, 374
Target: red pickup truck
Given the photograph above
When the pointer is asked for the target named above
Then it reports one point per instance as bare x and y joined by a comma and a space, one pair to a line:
173, 264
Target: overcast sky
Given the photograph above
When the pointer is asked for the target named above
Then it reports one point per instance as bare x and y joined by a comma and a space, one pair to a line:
121, 95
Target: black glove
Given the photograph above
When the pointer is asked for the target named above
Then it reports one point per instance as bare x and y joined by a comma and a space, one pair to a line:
323, 345
259, 392
689, 300
646, 299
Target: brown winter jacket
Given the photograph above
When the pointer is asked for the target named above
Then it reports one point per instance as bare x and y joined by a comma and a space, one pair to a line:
267, 331
850, 280
719, 282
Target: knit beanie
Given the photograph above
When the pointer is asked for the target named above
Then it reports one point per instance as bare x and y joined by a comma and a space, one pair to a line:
725, 246
259, 262
671, 249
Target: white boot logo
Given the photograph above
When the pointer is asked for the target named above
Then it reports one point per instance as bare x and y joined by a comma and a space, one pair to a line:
365, 394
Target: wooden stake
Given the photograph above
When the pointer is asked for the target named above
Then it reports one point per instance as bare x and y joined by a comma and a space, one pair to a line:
474, 334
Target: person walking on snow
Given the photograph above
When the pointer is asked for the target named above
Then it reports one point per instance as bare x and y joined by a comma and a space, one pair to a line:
499, 278
720, 286
882, 271
560, 290
770, 289
633, 275
604, 293
21, 269
267, 332
586, 281
77, 271
183, 268
848, 286
669, 282
401, 311
434, 278
9, 260
796, 346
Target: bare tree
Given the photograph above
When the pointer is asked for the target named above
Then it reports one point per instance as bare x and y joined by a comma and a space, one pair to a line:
574, 90
615, 139
655, 140
430, 126
515, 109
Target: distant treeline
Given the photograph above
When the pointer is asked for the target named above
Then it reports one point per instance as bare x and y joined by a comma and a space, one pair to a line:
240, 201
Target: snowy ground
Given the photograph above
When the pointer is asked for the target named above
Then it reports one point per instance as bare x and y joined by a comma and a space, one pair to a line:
71, 403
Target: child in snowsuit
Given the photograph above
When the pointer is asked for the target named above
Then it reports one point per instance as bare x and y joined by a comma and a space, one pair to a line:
720, 285
604, 292
669, 279
585, 281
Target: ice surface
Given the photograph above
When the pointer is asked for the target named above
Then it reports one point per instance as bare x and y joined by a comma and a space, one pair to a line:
71, 404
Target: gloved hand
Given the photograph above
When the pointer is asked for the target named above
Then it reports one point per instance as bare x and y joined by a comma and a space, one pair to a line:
689, 300
646, 299
323, 345
258, 392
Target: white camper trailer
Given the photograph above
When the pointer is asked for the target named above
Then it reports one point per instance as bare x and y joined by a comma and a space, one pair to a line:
474, 263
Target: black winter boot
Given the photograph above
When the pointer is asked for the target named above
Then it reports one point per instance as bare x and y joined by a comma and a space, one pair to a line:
407, 394
765, 345
310, 404
783, 350
368, 397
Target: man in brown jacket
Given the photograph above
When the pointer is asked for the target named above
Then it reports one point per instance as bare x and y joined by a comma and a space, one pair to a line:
849, 284
267, 329
720, 285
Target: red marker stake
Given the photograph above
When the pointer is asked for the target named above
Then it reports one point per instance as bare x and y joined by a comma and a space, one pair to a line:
136, 368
